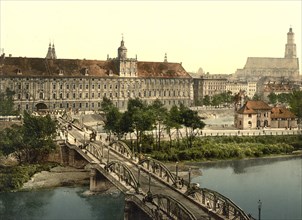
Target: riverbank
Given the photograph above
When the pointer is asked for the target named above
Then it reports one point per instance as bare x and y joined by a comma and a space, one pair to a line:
58, 176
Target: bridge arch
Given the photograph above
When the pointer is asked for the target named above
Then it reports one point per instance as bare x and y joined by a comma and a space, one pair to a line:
158, 168
122, 147
170, 207
218, 203
124, 173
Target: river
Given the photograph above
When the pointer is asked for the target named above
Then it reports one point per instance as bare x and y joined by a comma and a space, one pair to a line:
277, 182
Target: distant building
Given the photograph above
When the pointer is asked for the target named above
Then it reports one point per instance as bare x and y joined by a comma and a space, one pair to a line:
287, 67
56, 84
283, 118
208, 85
252, 115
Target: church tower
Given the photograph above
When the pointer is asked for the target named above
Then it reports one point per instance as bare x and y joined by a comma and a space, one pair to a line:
290, 47
51, 53
122, 51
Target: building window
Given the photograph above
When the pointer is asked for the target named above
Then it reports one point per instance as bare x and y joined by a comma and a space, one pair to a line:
27, 96
92, 95
67, 105
87, 87
67, 86
67, 95
86, 105
74, 95
80, 105
54, 86
26, 107
61, 96
61, 86
92, 105
86, 95
41, 96
61, 105
249, 115
80, 95
81, 86
54, 96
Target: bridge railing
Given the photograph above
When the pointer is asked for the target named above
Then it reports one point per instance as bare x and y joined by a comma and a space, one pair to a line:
217, 203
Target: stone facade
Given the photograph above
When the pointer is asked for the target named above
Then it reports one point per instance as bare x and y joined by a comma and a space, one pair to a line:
58, 84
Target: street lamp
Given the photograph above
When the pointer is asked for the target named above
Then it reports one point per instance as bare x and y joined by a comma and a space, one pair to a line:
149, 191
189, 177
259, 209
108, 154
176, 173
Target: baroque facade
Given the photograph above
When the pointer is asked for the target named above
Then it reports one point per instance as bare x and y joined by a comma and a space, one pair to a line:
57, 84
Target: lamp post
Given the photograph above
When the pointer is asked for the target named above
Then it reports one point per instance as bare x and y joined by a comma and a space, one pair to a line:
149, 190
138, 174
176, 173
259, 209
189, 177
108, 154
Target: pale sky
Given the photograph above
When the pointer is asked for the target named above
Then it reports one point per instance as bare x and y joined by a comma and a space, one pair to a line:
215, 35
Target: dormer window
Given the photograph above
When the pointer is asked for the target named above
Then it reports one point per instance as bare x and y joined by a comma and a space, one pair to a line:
86, 71
61, 72
19, 72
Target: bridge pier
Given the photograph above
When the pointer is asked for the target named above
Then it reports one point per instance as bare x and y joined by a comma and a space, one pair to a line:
98, 182
70, 157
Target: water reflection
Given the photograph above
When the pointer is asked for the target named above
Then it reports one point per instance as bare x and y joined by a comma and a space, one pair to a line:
25, 205
241, 166
62, 204
276, 181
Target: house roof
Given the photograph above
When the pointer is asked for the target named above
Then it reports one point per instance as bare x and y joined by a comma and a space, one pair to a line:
75, 67
279, 112
251, 107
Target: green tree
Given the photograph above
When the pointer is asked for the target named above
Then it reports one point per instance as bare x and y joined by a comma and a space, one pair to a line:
159, 113
173, 120
31, 142
295, 103
106, 105
6, 103
191, 121
112, 122
206, 100
273, 98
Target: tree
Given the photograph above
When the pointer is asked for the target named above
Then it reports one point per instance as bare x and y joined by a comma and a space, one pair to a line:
31, 142
106, 104
6, 103
295, 103
191, 121
173, 120
206, 100
273, 98
112, 122
159, 113
256, 97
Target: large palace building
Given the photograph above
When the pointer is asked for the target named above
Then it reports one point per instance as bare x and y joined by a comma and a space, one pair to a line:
56, 84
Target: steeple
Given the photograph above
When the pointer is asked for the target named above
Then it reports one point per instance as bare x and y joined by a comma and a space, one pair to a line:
51, 53
166, 59
290, 47
54, 56
122, 50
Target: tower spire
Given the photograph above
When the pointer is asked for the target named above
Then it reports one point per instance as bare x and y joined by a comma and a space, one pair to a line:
290, 47
166, 59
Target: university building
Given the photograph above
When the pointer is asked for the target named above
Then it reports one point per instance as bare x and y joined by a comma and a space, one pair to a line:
56, 84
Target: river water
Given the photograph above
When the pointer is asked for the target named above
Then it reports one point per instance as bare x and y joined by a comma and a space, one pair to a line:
276, 182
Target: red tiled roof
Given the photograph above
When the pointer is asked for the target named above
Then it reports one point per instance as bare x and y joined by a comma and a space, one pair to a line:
75, 67
250, 107
278, 112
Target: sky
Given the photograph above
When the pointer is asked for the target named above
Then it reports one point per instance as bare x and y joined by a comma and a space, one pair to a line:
217, 36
